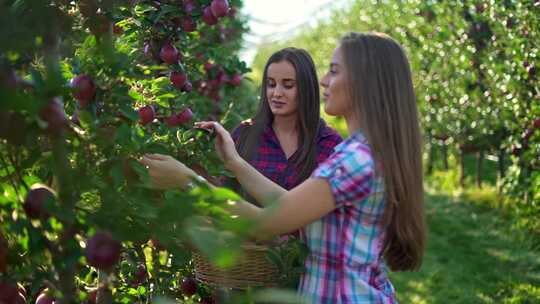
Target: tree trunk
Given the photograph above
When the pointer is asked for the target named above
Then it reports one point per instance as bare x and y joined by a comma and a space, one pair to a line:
461, 168
445, 156
479, 168
431, 156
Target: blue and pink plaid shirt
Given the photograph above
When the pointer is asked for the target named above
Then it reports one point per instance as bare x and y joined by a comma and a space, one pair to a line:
345, 264
272, 162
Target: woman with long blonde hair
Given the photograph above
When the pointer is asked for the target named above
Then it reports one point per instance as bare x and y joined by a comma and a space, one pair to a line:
362, 209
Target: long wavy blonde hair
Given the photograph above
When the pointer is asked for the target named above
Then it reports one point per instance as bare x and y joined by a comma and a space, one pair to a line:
381, 89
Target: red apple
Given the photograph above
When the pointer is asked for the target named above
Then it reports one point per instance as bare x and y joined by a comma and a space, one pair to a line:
536, 123
8, 293
84, 89
117, 30
141, 272
146, 114
223, 78
156, 244
102, 251
208, 17
220, 8
532, 71
208, 66
139, 276
188, 286
180, 118
214, 84
172, 121
189, 6
178, 79
185, 116
236, 80
34, 204
187, 87
44, 298
53, 113
169, 54
188, 24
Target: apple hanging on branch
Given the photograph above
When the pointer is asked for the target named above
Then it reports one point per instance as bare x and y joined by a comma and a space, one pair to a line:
84, 89
180, 118
102, 251
146, 115
169, 54
55, 117
178, 79
34, 204
219, 8
208, 17
188, 286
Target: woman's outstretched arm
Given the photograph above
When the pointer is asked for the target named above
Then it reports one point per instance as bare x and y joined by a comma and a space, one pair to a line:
287, 211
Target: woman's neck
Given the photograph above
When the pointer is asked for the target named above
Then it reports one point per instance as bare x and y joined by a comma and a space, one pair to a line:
285, 125
353, 125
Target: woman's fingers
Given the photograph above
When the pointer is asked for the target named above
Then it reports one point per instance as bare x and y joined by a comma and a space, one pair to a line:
145, 161
208, 125
157, 156
219, 128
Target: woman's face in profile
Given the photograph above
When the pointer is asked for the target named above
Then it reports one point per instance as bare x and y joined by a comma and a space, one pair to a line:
334, 84
281, 88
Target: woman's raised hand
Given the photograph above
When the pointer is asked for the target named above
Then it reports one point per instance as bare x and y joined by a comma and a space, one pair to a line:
166, 172
224, 143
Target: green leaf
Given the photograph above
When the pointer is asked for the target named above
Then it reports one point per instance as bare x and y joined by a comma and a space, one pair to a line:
165, 96
135, 95
117, 174
129, 112
225, 194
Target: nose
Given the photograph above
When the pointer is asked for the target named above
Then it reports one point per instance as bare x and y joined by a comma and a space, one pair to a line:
324, 81
278, 90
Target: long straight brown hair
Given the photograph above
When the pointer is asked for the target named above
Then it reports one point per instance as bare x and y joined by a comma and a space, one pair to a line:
381, 89
309, 122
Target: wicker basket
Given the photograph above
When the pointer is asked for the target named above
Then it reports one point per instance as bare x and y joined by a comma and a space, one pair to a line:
253, 270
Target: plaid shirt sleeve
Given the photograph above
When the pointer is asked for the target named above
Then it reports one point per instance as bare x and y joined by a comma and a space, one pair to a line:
326, 146
349, 172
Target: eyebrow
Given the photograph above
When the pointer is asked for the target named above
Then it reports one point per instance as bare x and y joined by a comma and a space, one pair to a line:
285, 79
333, 64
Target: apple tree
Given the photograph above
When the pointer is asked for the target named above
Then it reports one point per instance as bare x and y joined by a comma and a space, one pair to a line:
86, 88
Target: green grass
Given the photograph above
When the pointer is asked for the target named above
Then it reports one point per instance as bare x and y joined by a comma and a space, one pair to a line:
474, 255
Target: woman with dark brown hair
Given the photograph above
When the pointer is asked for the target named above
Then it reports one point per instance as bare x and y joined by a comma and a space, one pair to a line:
287, 138
362, 210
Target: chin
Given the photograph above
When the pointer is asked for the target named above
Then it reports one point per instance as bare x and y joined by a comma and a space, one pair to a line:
328, 110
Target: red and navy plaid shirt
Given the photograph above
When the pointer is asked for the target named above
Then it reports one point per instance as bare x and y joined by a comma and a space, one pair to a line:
272, 162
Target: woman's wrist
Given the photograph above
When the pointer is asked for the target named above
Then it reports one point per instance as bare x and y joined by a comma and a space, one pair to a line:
186, 180
235, 165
